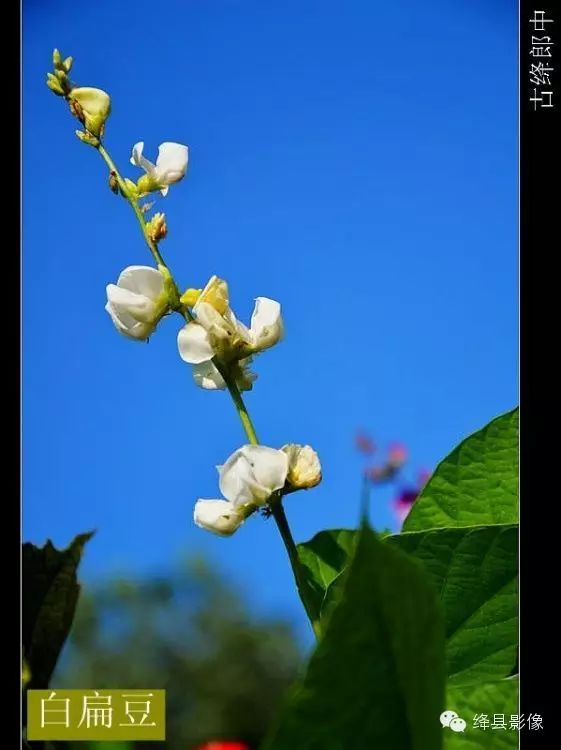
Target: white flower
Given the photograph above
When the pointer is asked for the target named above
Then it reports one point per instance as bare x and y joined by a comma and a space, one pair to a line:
137, 302
247, 480
252, 474
218, 516
216, 332
304, 468
170, 166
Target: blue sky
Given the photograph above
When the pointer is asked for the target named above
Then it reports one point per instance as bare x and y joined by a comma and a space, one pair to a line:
355, 160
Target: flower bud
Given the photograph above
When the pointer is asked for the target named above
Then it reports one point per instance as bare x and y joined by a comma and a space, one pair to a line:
88, 138
190, 297
113, 183
92, 107
304, 468
57, 59
157, 228
67, 64
54, 84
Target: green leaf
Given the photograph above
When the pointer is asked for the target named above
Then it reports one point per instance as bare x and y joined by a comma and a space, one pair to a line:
488, 699
50, 593
323, 559
376, 679
476, 484
475, 572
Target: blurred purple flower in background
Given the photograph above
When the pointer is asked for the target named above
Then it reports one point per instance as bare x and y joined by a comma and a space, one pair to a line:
390, 467
364, 444
406, 497
390, 471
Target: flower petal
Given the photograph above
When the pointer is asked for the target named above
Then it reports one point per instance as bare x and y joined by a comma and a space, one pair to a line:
194, 344
140, 161
207, 376
210, 319
252, 473
218, 516
171, 163
143, 280
216, 294
237, 482
266, 324
244, 377
137, 305
127, 325
269, 465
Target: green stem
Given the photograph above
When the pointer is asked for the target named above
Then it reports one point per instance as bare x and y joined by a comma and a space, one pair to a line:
281, 520
239, 403
277, 510
134, 204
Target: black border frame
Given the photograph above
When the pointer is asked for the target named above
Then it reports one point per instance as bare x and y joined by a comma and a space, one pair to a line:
539, 131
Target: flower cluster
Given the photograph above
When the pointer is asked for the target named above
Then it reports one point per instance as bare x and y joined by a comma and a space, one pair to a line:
217, 336
218, 346
249, 479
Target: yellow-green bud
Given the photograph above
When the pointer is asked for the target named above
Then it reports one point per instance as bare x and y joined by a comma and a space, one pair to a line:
132, 189
88, 138
304, 468
57, 59
146, 184
91, 106
67, 64
54, 84
157, 228
190, 297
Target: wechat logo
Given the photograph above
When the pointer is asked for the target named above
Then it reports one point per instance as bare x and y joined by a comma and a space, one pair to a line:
451, 720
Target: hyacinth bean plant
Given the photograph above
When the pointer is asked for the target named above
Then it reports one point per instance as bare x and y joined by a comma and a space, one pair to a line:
407, 625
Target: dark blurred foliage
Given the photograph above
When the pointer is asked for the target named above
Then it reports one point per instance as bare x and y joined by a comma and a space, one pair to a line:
225, 671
